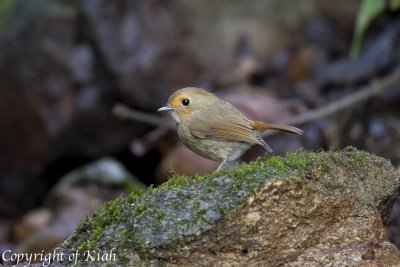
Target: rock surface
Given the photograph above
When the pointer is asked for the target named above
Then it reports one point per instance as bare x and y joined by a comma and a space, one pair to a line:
304, 209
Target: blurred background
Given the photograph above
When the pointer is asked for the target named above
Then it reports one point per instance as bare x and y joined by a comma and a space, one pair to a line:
80, 83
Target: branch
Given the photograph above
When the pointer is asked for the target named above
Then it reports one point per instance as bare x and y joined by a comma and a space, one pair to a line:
349, 101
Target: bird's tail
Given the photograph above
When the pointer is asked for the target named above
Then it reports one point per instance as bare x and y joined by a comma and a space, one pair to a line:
261, 126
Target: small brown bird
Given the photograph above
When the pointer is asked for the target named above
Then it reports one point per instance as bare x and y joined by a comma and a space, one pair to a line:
215, 129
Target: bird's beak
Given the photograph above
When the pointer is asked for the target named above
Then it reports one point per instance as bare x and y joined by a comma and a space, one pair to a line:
166, 108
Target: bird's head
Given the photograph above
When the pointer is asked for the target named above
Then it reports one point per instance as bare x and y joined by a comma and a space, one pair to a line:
186, 102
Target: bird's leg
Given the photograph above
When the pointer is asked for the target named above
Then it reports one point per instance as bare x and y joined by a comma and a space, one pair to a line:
220, 165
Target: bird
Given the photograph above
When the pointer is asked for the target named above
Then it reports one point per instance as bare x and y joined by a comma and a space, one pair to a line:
214, 128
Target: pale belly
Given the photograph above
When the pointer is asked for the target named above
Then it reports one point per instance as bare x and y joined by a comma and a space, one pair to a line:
214, 149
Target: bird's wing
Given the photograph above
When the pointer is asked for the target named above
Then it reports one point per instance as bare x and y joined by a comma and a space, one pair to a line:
225, 122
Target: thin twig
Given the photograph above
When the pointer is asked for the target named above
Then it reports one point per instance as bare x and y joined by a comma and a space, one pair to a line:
346, 102
125, 112
141, 145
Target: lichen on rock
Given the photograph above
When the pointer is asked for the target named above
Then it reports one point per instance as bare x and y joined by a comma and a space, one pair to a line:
303, 209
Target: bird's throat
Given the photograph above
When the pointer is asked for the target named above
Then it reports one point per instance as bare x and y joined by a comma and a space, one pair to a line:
175, 116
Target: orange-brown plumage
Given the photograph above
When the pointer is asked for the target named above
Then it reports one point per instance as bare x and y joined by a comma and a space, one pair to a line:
215, 129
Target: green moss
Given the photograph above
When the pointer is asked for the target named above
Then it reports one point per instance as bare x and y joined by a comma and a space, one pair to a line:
224, 210
94, 226
357, 160
140, 208
134, 195
87, 244
134, 188
174, 182
159, 216
198, 208
122, 258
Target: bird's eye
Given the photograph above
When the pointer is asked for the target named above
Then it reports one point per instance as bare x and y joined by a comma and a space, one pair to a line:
185, 102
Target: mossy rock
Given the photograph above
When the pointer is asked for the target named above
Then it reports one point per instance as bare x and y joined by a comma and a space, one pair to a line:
304, 208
